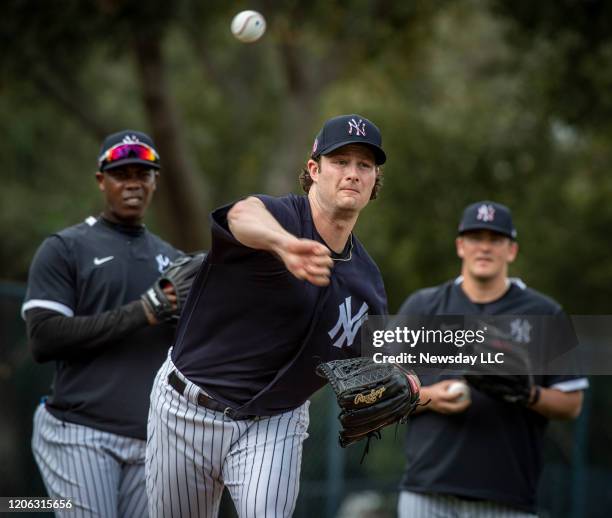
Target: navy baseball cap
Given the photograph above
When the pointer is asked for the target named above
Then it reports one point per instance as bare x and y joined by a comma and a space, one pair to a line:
488, 215
128, 147
348, 129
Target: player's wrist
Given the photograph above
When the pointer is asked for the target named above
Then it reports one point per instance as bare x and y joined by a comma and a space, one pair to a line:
427, 395
534, 396
280, 243
148, 312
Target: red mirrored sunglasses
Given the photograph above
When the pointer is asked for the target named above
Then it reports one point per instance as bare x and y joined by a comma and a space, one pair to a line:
122, 151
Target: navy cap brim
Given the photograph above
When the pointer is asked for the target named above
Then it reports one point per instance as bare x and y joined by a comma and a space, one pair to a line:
129, 161
379, 155
492, 228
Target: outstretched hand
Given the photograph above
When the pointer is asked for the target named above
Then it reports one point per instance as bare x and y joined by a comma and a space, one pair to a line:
308, 260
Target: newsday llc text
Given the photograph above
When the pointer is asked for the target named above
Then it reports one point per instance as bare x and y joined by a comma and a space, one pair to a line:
422, 336
506, 344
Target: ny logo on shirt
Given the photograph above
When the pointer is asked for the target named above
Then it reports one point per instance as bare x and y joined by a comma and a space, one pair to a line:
162, 262
348, 325
520, 329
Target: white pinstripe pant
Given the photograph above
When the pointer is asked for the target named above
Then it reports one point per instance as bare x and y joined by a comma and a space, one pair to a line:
102, 473
193, 452
421, 505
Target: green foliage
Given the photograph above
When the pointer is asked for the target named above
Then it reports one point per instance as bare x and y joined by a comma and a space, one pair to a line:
472, 101
502, 99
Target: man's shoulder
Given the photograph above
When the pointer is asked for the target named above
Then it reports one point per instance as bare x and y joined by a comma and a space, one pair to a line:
290, 199
292, 211
160, 242
433, 292
360, 251
60, 245
83, 228
294, 199
294, 202
426, 299
65, 239
538, 301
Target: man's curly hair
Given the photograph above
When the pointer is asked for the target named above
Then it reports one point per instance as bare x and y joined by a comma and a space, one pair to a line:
306, 180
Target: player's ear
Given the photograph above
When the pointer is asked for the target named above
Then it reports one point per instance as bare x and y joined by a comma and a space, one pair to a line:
512, 251
155, 180
459, 246
313, 168
100, 180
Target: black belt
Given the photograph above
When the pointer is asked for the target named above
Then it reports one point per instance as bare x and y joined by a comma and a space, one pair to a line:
203, 400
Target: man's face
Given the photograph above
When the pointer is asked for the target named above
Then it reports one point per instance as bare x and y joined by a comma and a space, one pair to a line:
128, 191
343, 179
485, 254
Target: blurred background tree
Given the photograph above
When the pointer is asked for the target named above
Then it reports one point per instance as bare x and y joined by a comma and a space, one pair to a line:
497, 99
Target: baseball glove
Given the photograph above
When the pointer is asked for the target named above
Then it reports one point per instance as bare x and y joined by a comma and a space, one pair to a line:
370, 395
179, 274
511, 381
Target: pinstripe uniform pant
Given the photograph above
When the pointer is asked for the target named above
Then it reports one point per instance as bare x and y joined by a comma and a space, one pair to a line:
102, 473
421, 505
194, 452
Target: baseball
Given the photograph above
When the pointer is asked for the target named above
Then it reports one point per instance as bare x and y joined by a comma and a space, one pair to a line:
248, 26
462, 388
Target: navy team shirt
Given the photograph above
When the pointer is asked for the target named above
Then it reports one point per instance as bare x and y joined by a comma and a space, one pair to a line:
241, 332
84, 270
493, 450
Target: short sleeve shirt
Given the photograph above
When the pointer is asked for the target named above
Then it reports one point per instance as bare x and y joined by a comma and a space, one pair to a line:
493, 450
241, 335
85, 270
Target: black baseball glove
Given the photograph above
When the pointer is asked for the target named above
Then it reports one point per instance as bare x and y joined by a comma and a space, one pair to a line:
179, 274
370, 395
511, 381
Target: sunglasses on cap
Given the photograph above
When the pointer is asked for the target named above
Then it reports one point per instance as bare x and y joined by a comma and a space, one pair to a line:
138, 150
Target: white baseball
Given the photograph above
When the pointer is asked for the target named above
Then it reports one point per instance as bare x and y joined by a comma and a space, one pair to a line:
248, 26
459, 387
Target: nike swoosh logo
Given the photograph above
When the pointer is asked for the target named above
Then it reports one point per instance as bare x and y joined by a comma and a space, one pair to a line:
98, 262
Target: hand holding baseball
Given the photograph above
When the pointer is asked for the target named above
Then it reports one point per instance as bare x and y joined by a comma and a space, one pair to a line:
445, 401
461, 388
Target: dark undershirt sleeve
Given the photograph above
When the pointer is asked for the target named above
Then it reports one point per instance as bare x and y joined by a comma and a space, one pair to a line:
53, 336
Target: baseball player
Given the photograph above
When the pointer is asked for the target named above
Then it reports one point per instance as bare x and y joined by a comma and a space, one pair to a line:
84, 311
286, 286
482, 457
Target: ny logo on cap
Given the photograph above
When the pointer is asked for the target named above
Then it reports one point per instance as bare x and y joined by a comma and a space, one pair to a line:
358, 126
130, 139
485, 213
